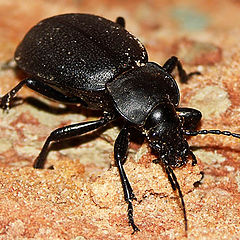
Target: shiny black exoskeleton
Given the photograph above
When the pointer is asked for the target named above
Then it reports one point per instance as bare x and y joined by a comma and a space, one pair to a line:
82, 58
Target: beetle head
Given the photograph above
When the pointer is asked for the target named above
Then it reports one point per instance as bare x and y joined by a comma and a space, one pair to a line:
163, 129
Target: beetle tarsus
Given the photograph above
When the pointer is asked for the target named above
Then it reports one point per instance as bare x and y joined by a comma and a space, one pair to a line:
130, 218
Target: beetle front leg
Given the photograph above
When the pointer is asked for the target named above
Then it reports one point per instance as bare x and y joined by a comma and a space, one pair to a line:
69, 132
173, 62
120, 152
191, 117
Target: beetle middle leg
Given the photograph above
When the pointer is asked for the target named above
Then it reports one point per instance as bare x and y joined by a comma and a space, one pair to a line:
173, 62
120, 152
69, 132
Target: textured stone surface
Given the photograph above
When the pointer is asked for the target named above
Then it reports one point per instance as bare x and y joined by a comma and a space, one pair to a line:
81, 198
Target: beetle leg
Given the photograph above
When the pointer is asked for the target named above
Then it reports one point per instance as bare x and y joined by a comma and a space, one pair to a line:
191, 117
49, 92
194, 159
121, 21
120, 152
7, 98
173, 62
41, 88
69, 132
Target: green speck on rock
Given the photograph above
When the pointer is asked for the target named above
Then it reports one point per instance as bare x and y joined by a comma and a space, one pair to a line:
190, 19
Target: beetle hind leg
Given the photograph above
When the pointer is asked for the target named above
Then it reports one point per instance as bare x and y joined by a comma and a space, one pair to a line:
40, 87
6, 100
173, 62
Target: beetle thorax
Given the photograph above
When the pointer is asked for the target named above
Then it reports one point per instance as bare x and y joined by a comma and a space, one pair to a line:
163, 129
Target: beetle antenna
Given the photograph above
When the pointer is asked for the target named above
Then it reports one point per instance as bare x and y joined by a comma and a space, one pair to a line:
218, 132
174, 182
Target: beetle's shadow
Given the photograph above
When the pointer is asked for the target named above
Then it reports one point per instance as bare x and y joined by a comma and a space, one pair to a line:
68, 108
43, 106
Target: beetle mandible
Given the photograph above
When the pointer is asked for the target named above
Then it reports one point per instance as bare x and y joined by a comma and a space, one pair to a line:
87, 59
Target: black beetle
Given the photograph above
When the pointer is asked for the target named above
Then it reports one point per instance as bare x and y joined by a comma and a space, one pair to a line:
87, 59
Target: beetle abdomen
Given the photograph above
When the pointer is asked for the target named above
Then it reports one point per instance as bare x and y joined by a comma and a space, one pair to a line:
78, 51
